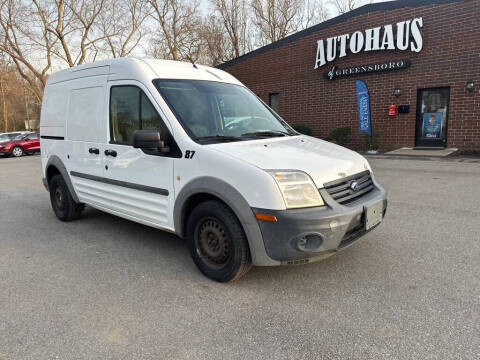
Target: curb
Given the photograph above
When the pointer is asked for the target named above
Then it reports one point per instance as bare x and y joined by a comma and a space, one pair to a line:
456, 158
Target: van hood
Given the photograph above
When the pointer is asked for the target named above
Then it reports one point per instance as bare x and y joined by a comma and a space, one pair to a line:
320, 159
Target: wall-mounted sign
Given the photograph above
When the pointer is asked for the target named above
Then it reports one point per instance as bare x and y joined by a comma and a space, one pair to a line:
392, 110
363, 103
335, 72
432, 125
407, 36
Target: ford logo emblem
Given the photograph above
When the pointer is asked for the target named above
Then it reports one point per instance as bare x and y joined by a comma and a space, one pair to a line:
354, 186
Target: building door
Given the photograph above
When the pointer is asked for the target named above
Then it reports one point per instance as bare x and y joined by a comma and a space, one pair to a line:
432, 116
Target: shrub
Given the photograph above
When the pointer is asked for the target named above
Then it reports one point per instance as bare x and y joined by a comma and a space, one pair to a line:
303, 129
340, 136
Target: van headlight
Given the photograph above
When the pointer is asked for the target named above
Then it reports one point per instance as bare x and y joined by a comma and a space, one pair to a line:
297, 188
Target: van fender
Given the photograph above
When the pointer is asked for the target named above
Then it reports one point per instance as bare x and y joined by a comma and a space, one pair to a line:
54, 160
230, 196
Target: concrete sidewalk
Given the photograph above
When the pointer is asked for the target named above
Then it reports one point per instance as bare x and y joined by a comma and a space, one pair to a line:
423, 152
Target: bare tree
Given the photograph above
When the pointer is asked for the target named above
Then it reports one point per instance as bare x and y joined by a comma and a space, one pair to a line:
216, 47
235, 21
179, 23
73, 23
344, 6
313, 12
122, 25
275, 19
25, 44
18, 103
43, 34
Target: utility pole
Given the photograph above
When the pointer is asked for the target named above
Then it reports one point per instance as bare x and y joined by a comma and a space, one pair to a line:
4, 104
26, 106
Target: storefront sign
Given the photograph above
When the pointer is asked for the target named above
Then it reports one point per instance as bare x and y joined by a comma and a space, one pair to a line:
363, 69
432, 125
407, 36
363, 102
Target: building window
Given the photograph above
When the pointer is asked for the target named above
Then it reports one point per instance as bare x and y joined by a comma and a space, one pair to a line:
274, 101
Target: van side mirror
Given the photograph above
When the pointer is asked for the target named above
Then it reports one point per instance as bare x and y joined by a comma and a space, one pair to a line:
149, 140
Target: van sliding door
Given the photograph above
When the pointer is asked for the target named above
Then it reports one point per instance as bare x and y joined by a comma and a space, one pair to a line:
86, 136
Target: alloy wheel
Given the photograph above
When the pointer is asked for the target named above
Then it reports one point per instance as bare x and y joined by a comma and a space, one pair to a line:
17, 152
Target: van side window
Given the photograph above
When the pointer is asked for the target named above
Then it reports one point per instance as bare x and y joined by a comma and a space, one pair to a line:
131, 110
149, 118
124, 113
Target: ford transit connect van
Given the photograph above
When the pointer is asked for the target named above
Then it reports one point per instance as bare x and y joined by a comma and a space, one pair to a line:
188, 149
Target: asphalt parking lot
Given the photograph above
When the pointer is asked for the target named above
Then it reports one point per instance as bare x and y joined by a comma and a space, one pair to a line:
107, 288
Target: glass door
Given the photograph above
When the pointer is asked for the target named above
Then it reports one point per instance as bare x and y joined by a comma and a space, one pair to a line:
432, 116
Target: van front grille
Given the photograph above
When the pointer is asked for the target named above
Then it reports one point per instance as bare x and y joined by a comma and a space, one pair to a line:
351, 188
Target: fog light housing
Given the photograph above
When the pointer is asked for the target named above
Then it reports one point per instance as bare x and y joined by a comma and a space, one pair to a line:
310, 242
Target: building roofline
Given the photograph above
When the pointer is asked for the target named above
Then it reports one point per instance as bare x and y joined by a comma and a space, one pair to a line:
387, 5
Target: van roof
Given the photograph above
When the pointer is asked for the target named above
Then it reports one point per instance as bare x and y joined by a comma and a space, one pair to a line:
142, 69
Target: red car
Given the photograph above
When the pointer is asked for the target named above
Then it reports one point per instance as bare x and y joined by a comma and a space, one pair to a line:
23, 144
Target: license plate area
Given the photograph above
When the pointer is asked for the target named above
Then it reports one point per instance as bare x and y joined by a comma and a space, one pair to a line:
373, 214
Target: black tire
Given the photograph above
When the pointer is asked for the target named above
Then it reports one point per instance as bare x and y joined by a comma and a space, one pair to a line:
217, 243
63, 205
17, 151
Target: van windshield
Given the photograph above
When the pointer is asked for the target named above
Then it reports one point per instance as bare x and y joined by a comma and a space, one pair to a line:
213, 111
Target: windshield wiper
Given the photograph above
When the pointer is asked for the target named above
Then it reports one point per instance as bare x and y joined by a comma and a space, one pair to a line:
268, 133
218, 137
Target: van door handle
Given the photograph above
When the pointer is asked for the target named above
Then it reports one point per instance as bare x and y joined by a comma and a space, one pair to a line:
111, 153
94, 151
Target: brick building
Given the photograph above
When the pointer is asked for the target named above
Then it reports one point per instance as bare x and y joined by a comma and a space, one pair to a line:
421, 55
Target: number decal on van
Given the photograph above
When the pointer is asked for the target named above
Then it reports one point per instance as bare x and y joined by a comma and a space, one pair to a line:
189, 154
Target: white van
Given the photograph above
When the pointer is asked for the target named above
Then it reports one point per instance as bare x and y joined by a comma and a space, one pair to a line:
188, 149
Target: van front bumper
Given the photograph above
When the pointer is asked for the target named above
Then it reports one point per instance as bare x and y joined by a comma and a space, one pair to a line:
304, 235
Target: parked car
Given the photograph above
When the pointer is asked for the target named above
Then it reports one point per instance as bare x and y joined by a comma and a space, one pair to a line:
4, 137
190, 150
22, 144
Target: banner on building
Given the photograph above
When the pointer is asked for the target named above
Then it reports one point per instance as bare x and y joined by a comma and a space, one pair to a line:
363, 100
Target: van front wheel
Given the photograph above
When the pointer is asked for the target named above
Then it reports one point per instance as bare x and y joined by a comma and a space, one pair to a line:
64, 207
217, 243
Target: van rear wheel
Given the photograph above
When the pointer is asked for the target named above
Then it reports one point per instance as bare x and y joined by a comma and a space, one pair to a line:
217, 243
63, 205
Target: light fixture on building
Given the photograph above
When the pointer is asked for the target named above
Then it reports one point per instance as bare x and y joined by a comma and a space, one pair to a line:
470, 85
397, 91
